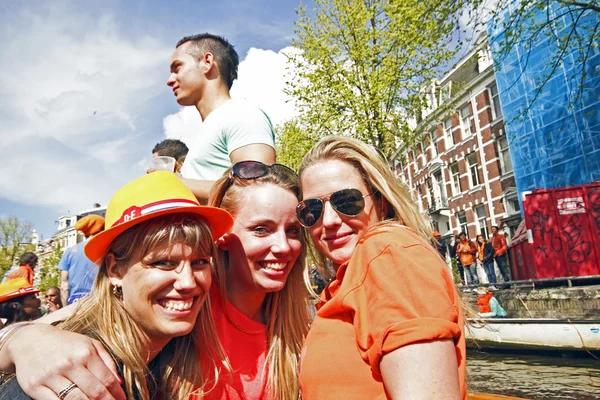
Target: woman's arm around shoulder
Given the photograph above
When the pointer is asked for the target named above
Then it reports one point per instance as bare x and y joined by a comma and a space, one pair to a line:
47, 360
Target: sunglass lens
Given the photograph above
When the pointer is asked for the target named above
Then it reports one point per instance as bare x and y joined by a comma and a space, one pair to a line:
348, 201
309, 211
249, 169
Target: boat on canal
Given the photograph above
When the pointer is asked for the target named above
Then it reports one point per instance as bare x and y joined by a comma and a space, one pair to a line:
534, 334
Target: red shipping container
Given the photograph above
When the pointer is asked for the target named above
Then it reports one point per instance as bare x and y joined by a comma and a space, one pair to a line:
564, 230
521, 259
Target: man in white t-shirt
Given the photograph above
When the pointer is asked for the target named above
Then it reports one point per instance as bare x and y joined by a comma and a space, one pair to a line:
203, 68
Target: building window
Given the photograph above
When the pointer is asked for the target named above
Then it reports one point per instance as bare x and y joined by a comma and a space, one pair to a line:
440, 185
434, 144
481, 216
430, 190
445, 93
462, 222
505, 160
448, 133
455, 172
466, 119
511, 204
473, 169
496, 101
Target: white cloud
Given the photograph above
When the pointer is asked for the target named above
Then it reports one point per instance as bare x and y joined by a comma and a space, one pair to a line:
261, 80
182, 125
73, 91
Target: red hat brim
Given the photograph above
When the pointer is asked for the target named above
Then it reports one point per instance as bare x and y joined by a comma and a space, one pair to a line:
19, 293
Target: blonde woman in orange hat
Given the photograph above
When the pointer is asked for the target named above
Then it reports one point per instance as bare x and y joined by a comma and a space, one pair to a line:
18, 301
149, 307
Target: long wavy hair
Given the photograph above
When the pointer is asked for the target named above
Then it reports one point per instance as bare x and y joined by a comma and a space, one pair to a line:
177, 373
379, 179
286, 311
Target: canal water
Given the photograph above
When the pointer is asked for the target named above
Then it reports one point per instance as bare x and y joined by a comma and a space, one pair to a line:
534, 376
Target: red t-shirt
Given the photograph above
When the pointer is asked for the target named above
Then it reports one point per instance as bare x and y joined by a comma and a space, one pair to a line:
246, 344
394, 291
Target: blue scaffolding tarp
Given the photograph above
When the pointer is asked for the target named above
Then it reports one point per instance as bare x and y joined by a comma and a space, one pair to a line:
553, 134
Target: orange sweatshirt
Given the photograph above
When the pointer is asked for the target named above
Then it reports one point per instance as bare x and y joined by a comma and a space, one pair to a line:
394, 291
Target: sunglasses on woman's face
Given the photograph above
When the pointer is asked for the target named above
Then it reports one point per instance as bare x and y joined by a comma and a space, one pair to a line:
350, 202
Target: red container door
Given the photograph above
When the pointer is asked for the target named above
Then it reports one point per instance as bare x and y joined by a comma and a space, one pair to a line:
517, 262
547, 248
592, 197
578, 242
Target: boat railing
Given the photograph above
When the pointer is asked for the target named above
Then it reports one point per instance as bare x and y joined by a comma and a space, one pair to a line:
567, 281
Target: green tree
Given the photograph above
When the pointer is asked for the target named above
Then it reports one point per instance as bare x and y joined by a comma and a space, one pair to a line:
49, 273
15, 238
293, 142
362, 65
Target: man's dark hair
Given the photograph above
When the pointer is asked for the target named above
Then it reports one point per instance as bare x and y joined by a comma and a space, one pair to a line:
495, 226
28, 258
462, 233
225, 55
172, 148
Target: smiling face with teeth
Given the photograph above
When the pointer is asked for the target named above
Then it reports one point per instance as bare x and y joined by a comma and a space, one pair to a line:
165, 291
264, 243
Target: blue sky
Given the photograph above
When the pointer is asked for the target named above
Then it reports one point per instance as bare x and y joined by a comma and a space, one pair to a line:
83, 97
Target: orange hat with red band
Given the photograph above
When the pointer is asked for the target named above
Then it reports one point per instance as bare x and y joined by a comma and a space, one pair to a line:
14, 288
152, 195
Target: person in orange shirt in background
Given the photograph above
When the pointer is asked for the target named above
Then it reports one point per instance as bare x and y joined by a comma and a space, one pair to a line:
500, 248
27, 263
466, 251
390, 323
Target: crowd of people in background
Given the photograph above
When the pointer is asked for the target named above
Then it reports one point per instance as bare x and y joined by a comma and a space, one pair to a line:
466, 257
180, 299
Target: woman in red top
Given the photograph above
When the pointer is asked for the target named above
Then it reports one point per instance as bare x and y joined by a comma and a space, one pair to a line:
260, 303
389, 324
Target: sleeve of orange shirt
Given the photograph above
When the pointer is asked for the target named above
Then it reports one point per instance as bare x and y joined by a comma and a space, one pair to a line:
404, 294
504, 247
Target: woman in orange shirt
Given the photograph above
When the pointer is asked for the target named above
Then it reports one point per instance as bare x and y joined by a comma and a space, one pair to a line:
389, 324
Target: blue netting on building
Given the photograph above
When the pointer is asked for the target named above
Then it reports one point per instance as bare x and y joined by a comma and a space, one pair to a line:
554, 141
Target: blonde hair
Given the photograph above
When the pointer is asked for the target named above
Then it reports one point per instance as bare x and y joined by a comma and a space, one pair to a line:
377, 176
286, 311
103, 316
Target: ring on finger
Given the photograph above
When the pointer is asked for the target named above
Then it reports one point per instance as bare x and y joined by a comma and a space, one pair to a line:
63, 393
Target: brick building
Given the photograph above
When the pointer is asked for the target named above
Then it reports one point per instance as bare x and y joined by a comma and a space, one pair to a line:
459, 169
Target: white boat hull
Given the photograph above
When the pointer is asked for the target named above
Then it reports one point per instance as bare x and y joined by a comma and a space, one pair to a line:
537, 334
